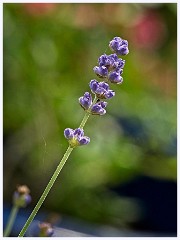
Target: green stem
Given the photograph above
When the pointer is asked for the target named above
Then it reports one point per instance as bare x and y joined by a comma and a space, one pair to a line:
55, 175
46, 191
12, 217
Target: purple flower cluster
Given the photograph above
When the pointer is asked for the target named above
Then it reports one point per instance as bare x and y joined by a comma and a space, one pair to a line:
76, 137
101, 89
21, 197
99, 108
119, 46
110, 68
87, 104
86, 101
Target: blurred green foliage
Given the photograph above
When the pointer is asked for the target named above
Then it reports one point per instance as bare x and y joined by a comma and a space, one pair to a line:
49, 53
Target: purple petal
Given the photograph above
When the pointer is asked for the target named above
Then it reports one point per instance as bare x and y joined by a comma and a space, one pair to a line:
79, 132
101, 71
109, 94
100, 91
104, 85
87, 95
102, 112
95, 109
103, 104
98, 108
69, 133
103, 60
93, 85
86, 100
84, 140
123, 50
115, 77
113, 57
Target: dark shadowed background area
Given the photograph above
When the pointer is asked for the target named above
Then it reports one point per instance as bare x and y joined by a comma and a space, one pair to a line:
126, 177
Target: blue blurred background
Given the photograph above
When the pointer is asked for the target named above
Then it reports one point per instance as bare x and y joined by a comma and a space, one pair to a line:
126, 177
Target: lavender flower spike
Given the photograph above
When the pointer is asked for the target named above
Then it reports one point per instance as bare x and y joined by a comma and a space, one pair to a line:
109, 67
86, 101
101, 89
99, 108
76, 137
119, 46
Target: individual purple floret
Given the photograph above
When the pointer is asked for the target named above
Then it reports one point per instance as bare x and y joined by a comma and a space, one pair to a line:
119, 46
101, 89
101, 71
115, 77
21, 197
69, 133
104, 60
99, 108
76, 137
107, 64
86, 101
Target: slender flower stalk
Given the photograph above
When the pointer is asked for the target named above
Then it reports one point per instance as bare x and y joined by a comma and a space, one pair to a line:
21, 198
12, 218
110, 68
46, 191
51, 182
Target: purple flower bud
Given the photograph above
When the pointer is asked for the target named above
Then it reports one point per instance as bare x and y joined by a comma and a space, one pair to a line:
69, 133
119, 46
78, 132
99, 108
120, 64
84, 140
78, 138
114, 61
115, 77
21, 197
104, 85
94, 85
101, 71
109, 94
101, 89
108, 63
113, 57
85, 101
103, 104
104, 60
114, 44
123, 50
